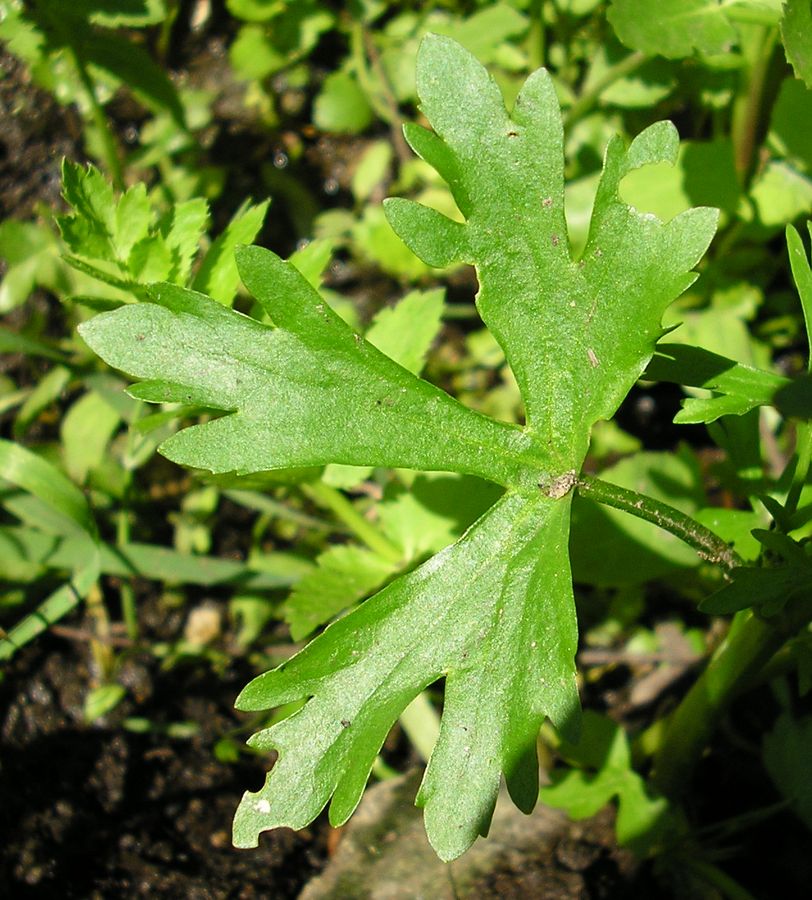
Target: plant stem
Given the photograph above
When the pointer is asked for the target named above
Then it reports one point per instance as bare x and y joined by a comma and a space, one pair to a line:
748, 106
707, 544
129, 609
345, 512
381, 97
536, 38
748, 647
591, 96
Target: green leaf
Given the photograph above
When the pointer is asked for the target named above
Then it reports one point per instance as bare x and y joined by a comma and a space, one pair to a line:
31, 252
13, 342
780, 194
406, 331
132, 66
790, 135
86, 430
796, 33
102, 700
434, 511
189, 220
343, 576
493, 613
50, 387
607, 773
786, 758
802, 276
25, 469
672, 28
341, 106
90, 231
117, 13
768, 589
492, 648
335, 397
487, 31
741, 387
371, 170
585, 350
47, 485
218, 276
262, 573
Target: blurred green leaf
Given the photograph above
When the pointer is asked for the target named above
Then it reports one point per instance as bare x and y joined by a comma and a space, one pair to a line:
343, 576
672, 28
86, 430
341, 107
786, 752
606, 773
218, 276
102, 700
406, 331
796, 32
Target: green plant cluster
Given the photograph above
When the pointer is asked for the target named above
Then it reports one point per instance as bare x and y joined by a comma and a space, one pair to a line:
436, 514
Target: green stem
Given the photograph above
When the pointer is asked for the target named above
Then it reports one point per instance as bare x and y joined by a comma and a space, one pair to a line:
591, 96
381, 96
707, 544
345, 512
112, 161
748, 647
536, 38
748, 105
129, 609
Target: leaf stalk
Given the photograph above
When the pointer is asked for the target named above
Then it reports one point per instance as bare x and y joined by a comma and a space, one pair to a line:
708, 545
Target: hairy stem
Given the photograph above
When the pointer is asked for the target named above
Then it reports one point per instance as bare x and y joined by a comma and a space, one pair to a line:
707, 544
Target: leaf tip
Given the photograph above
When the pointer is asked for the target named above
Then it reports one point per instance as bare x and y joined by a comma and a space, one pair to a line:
245, 830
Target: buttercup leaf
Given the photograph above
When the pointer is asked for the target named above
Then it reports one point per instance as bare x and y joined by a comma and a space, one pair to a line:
492, 614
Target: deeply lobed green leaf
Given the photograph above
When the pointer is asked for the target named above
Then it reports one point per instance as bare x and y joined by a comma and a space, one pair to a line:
492, 614
462, 616
577, 334
304, 393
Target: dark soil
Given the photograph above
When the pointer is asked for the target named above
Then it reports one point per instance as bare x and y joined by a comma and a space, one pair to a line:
104, 812
35, 134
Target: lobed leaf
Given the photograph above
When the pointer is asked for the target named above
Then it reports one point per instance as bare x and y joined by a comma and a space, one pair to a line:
493, 613
576, 334
304, 393
502, 625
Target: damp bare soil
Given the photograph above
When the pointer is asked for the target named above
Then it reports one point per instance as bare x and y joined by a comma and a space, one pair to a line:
101, 811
